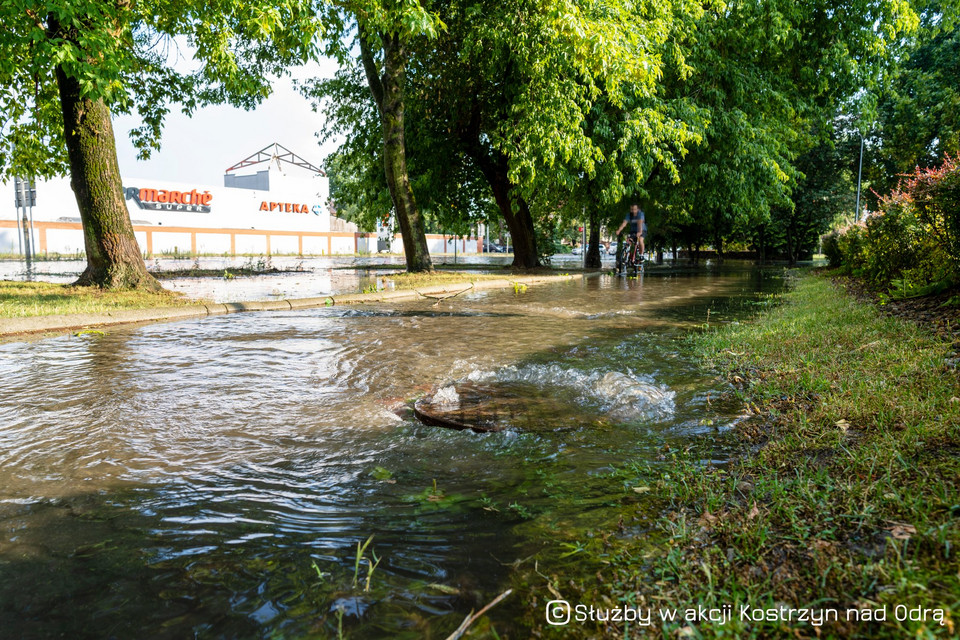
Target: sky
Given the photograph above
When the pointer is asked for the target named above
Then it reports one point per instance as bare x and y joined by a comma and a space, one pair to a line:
199, 148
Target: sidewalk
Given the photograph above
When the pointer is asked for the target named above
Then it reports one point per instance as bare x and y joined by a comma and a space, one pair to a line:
13, 327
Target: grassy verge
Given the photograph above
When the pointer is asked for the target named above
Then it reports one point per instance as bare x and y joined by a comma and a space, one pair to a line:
846, 497
417, 280
24, 299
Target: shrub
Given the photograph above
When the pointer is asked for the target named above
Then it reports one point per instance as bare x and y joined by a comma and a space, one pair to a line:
913, 242
830, 244
935, 196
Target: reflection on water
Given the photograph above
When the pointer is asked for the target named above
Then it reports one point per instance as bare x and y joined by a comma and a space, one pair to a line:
213, 477
303, 277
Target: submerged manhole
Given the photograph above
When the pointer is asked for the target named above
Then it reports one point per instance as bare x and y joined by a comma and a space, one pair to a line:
485, 407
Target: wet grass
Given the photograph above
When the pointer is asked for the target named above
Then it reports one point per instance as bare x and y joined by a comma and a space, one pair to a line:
25, 299
418, 280
846, 495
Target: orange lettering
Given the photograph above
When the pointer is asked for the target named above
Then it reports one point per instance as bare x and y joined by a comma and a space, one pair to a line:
263, 206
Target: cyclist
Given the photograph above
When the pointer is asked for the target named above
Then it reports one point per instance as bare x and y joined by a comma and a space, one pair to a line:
638, 227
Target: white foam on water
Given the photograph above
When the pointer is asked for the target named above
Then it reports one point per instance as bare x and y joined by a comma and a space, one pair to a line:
622, 395
446, 397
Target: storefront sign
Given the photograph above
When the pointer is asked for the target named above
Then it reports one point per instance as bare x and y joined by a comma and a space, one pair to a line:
164, 200
286, 207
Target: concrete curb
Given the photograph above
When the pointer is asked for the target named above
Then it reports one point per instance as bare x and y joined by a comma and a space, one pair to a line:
12, 327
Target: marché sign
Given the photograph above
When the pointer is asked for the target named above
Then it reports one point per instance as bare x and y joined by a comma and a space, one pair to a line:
168, 200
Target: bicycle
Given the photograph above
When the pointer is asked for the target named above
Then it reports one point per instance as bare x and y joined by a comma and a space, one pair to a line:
629, 259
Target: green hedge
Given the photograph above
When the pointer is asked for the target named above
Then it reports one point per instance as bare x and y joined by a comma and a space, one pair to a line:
912, 245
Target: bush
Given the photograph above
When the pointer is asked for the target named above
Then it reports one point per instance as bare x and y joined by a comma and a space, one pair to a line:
913, 243
830, 244
935, 196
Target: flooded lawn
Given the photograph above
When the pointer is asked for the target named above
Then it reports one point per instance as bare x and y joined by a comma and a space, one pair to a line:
300, 278
213, 478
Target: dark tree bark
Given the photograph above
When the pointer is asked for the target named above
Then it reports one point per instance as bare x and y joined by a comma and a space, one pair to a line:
761, 241
594, 259
114, 260
520, 223
791, 250
387, 90
718, 247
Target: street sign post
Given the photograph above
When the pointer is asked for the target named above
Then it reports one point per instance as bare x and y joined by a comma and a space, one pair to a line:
25, 198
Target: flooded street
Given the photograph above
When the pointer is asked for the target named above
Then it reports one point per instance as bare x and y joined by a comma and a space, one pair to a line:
213, 477
298, 277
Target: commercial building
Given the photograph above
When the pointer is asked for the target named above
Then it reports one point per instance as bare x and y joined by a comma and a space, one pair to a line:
273, 202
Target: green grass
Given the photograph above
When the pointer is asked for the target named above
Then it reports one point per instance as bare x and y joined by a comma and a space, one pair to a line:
419, 280
24, 299
846, 494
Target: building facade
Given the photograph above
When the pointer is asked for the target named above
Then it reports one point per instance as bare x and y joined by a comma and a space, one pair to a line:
278, 210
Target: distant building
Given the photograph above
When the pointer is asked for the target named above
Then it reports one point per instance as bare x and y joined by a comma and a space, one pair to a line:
272, 202
279, 207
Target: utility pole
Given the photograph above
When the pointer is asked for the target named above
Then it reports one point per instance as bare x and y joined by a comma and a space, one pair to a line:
583, 237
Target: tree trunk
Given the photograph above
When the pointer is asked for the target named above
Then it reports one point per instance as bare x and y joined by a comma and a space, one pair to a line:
791, 254
718, 247
522, 234
114, 260
525, 254
387, 92
594, 260
763, 244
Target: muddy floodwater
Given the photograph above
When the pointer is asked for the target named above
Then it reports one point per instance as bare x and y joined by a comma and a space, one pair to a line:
212, 478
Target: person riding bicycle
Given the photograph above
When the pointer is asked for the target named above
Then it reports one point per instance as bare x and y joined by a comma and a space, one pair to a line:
638, 227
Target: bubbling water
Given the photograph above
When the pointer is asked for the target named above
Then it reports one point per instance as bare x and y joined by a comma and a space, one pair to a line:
622, 395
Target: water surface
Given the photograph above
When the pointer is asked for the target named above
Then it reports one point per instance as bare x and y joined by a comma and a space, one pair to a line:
213, 477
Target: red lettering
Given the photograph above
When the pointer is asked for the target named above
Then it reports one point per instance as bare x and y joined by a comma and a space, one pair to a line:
176, 197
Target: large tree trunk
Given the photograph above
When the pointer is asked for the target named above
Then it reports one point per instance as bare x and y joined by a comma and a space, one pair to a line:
113, 257
387, 92
522, 234
525, 253
594, 260
791, 252
763, 244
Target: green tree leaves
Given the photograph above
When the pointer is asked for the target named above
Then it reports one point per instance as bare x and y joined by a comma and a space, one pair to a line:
131, 55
